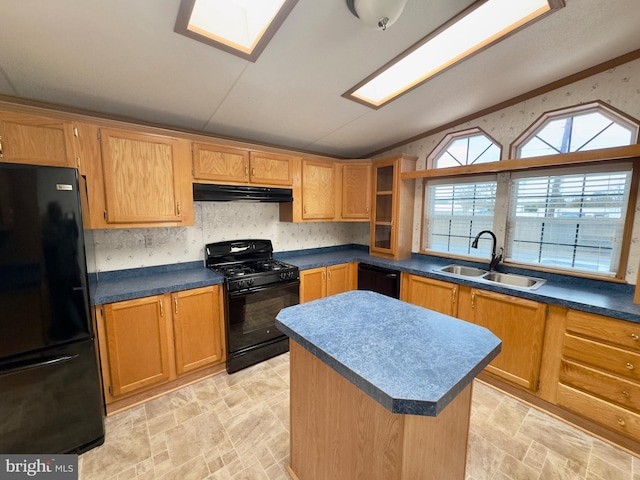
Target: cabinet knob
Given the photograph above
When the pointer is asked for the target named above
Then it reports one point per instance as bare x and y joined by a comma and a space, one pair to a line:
246, 171
629, 366
634, 337
621, 422
625, 394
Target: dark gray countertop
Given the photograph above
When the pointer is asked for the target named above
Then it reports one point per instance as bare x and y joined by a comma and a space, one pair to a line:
119, 285
409, 359
594, 296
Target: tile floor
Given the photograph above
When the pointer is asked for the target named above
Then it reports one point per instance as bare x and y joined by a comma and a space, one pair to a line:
235, 427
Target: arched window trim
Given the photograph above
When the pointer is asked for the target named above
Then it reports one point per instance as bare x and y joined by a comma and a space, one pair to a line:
450, 137
595, 106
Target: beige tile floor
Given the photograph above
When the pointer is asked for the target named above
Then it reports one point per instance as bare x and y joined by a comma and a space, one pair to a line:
235, 427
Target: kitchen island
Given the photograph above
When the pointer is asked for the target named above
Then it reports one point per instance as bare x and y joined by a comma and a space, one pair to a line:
380, 389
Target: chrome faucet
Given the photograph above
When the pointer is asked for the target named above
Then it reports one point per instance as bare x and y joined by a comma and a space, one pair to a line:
495, 259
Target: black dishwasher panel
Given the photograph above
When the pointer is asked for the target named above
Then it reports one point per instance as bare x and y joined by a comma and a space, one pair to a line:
379, 279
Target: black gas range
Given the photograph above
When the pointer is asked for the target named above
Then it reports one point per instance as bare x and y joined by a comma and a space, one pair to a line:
257, 288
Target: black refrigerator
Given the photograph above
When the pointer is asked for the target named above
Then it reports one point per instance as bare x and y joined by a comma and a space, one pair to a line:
50, 391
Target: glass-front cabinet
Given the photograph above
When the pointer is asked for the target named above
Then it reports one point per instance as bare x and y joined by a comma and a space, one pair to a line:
392, 219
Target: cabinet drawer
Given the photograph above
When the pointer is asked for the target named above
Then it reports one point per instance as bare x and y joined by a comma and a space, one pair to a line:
618, 332
612, 359
611, 416
610, 387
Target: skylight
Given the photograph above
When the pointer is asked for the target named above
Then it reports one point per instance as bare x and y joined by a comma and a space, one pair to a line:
466, 34
241, 27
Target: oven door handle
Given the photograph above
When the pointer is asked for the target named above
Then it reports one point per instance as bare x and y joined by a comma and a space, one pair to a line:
242, 293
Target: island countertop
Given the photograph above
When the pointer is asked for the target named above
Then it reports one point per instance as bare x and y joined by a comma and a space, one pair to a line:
409, 359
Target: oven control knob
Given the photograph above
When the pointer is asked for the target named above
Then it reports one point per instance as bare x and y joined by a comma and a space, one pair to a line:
250, 282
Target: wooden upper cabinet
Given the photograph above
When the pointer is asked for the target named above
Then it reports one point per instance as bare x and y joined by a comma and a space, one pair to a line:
37, 140
145, 181
392, 210
138, 344
356, 191
271, 169
318, 190
197, 327
220, 164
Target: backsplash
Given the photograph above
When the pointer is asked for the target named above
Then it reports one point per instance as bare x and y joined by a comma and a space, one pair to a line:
215, 221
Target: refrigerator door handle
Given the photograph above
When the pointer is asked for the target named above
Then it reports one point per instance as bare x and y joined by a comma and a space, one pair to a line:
23, 365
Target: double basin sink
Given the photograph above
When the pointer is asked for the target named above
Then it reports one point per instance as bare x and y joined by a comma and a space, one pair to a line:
498, 278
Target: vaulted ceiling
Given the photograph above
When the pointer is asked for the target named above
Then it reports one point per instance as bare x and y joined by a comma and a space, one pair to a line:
123, 58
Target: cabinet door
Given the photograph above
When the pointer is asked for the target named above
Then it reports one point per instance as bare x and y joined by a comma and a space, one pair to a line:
383, 230
340, 278
519, 323
36, 140
221, 164
433, 294
356, 191
313, 284
197, 330
318, 190
140, 177
271, 169
137, 344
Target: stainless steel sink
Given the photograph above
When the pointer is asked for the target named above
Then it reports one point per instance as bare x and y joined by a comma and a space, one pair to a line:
513, 280
462, 270
504, 279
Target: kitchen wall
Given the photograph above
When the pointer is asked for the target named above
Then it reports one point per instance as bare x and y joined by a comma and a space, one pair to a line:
619, 87
214, 221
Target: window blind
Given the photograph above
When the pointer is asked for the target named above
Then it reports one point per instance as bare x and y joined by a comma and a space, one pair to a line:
570, 220
455, 213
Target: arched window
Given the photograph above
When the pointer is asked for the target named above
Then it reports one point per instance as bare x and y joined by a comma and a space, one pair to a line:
585, 127
467, 147
572, 218
456, 210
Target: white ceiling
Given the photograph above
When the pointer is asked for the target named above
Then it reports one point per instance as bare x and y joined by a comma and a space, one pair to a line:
122, 57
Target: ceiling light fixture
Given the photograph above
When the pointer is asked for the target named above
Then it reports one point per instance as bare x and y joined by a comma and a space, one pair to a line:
240, 27
479, 26
377, 13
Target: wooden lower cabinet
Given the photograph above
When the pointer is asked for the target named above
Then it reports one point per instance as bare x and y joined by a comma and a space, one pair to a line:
197, 324
137, 337
152, 341
599, 376
321, 282
580, 366
520, 324
429, 293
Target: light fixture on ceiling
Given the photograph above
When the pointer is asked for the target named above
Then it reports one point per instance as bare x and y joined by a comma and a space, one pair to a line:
377, 13
480, 25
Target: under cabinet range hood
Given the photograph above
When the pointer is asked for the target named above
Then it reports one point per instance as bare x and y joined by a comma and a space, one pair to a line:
205, 192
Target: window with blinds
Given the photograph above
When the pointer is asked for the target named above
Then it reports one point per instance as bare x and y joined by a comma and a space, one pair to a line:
569, 220
455, 213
